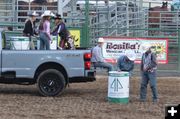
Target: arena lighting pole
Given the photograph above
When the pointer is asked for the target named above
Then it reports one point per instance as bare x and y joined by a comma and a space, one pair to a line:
60, 7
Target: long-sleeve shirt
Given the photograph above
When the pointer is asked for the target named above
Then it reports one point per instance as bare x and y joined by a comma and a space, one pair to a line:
46, 29
97, 54
29, 28
148, 62
124, 64
61, 30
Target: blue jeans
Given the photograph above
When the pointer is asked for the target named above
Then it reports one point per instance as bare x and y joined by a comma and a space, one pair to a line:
44, 41
148, 77
103, 65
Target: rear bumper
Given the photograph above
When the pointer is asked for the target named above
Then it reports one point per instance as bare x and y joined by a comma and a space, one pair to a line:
89, 77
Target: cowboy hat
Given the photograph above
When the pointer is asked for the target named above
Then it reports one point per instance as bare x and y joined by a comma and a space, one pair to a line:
47, 13
130, 54
100, 40
145, 46
57, 16
34, 13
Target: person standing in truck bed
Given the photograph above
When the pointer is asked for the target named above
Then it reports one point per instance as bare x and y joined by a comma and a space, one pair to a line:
61, 30
44, 30
29, 28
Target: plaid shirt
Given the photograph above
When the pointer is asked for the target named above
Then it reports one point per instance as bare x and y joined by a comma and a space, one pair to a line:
148, 63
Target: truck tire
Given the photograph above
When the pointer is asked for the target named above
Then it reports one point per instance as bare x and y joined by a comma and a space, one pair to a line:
51, 82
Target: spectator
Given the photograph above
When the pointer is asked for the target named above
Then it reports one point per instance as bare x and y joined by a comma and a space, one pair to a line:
29, 29
148, 71
126, 62
44, 29
61, 30
97, 56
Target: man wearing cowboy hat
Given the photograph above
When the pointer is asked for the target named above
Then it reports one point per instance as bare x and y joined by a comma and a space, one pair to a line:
148, 71
126, 62
97, 57
44, 30
29, 28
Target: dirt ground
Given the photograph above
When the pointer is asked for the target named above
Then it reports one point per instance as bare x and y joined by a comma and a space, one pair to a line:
86, 101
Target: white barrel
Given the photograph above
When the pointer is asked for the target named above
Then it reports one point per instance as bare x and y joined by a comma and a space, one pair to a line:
38, 44
20, 43
118, 87
54, 44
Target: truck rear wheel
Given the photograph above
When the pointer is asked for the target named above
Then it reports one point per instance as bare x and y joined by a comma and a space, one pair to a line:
51, 82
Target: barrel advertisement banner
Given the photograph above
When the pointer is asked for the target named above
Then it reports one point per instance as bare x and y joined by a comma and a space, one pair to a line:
118, 84
114, 47
53, 44
20, 43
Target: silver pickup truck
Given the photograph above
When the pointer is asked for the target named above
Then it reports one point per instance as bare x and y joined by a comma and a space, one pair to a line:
51, 70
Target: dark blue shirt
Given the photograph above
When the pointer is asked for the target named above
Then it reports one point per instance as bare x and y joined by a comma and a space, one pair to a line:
61, 30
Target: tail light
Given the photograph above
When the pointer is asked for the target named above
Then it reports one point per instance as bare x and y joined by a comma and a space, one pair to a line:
87, 56
87, 65
87, 61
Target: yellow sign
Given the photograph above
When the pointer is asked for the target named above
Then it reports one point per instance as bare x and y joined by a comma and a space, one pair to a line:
76, 37
75, 34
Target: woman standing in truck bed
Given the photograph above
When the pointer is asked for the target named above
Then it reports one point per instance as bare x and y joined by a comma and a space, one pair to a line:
44, 30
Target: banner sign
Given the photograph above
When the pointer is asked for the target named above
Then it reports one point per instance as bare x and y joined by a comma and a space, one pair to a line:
76, 37
114, 47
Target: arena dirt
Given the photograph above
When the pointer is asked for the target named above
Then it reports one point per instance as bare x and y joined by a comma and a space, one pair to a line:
86, 101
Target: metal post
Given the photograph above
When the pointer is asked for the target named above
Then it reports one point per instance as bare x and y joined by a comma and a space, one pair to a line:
178, 44
141, 4
178, 50
29, 5
149, 4
116, 14
86, 40
15, 10
108, 16
97, 12
95, 26
60, 7
142, 19
127, 16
